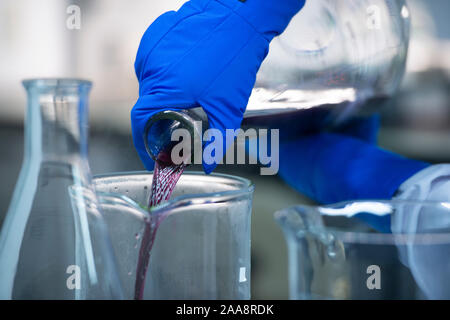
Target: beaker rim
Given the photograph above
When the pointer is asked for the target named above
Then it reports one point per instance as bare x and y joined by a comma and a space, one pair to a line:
182, 200
365, 237
56, 82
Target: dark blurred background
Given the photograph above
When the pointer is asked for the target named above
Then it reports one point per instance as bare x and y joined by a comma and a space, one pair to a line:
34, 42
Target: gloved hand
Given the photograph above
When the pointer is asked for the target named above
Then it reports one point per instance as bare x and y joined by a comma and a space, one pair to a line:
206, 54
331, 167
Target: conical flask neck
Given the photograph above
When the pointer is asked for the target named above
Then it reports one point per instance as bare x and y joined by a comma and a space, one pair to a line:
57, 118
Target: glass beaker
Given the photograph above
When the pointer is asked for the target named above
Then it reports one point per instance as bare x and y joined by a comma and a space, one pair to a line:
53, 245
201, 247
334, 255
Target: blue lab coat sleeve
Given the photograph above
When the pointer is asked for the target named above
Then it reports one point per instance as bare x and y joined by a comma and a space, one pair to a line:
332, 167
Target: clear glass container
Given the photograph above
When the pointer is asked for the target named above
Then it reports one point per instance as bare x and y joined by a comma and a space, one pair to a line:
201, 236
53, 245
336, 58
334, 255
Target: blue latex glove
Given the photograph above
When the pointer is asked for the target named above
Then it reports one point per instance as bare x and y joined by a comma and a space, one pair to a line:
206, 54
333, 167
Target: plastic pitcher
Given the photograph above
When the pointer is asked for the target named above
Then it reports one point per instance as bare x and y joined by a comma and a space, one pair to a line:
201, 247
334, 255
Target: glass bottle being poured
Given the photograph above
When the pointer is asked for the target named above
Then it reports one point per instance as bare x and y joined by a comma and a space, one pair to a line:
336, 59
54, 243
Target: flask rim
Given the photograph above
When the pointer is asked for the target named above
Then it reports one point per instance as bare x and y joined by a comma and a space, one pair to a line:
56, 82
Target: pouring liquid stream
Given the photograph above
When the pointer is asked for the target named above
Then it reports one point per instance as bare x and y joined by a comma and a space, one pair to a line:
165, 177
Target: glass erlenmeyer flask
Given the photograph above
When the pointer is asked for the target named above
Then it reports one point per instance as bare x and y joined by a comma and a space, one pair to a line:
53, 244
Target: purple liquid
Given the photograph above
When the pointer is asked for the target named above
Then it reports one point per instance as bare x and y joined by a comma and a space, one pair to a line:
165, 178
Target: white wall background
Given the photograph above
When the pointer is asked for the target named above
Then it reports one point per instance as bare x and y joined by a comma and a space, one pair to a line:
35, 42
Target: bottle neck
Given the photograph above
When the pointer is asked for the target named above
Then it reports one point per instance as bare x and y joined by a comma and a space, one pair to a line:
160, 127
56, 124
